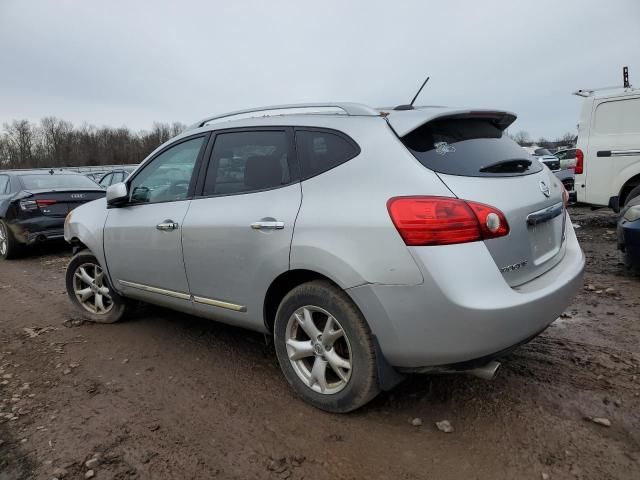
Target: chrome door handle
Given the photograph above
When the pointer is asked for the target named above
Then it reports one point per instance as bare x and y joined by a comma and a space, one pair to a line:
167, 225
267, 225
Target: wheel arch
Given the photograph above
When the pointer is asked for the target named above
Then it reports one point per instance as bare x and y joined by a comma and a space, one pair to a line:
283, 284
629, 185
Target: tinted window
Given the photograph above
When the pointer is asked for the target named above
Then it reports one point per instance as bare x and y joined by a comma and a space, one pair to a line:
319, 151
117, 177
168, 175
247, 161
48, 181
4, 184
469, 147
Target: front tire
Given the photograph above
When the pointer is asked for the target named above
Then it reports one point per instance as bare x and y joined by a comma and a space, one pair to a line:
325, 348
89, 290
9, 246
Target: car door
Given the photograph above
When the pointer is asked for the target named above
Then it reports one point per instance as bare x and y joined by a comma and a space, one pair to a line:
142, 239
237, 233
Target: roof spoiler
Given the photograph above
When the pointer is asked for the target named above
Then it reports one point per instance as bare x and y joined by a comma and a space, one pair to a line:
407, 121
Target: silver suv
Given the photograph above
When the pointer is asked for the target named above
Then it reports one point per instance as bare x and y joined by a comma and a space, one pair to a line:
369, 242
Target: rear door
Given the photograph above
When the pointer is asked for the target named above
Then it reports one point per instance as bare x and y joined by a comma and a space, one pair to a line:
237, 233
477, 161
142, 239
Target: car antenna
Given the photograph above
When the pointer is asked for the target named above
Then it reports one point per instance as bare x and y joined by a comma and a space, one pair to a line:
410, 106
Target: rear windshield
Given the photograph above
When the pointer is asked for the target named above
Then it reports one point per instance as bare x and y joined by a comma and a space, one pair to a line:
469, 147
542, 151
47, 181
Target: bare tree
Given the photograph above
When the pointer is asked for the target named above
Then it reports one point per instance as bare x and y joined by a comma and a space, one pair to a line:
521, 137
20, 140
57, 143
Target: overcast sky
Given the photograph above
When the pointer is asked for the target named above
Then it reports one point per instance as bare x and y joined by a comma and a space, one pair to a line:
132, 62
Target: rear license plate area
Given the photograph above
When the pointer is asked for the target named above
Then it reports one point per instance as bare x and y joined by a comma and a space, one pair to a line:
546, 235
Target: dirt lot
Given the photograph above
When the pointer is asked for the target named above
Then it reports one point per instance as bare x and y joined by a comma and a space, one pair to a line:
165, 395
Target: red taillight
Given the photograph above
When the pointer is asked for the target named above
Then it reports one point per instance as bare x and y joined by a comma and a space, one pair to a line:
45, 203
444, 221
579, 161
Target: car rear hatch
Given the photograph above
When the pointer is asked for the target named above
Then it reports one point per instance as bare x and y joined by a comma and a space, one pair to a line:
56, 203
478, 162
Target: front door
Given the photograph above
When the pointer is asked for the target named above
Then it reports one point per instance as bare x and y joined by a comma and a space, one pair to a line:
142, 240
237, 234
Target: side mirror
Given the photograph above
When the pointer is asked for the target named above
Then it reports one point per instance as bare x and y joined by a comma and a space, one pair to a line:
117, 194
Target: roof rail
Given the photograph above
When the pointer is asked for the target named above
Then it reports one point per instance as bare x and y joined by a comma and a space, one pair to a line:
587, 92
351, 109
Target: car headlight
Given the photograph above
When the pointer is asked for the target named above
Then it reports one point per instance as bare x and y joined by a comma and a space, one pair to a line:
632, 214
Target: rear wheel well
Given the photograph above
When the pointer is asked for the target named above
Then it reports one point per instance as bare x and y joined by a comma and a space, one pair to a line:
282, 285
632, 183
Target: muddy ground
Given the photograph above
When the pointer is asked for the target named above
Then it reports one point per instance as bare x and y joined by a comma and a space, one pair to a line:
166, 395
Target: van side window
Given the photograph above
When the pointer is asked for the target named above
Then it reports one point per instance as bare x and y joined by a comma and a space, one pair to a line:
319, 151
618, 116
243, 162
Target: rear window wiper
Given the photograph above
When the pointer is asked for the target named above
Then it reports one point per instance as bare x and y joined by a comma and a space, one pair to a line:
508, 166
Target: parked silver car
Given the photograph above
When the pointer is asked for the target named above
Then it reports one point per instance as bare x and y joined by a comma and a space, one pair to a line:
369, 242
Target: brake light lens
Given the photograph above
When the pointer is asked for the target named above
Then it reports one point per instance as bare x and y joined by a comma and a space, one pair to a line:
423, 220
33, 205
28, 205
579, 161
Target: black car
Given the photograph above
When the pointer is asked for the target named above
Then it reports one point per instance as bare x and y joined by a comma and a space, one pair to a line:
34, 204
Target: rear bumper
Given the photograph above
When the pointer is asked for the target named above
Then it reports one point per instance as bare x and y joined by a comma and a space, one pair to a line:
36, 229
465, 310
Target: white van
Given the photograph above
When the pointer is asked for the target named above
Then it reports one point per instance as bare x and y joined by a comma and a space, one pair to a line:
608, 149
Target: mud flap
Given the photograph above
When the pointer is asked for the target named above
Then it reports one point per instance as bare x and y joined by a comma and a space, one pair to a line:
388, 377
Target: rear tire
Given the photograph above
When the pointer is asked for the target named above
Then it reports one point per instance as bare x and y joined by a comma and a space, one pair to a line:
9, 246
325, 348
89, 290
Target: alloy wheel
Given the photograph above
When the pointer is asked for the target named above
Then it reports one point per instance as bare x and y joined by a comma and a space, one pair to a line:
90, 289
4, 241
319, 350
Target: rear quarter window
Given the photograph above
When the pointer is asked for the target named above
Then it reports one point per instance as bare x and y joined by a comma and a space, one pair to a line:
467, 146
322, 150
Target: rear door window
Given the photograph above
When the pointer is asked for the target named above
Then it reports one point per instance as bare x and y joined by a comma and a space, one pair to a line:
248, 161
322, 150
469, 147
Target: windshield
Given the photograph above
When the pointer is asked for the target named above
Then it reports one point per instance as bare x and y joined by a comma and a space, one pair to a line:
471, 147
52, 182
